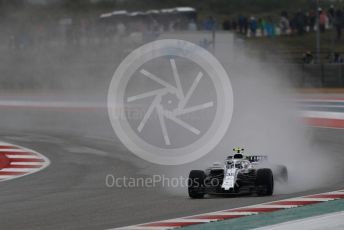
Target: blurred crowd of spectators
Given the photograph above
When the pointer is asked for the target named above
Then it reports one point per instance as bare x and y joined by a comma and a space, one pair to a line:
298, 23
87, 30
90, 30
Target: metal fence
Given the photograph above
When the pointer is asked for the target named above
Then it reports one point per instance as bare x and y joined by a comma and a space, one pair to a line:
314, 75
322, 75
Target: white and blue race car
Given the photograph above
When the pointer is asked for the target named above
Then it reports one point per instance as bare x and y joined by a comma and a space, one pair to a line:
239, 174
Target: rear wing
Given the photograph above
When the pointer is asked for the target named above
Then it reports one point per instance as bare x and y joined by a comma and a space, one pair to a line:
257, 158
252, 159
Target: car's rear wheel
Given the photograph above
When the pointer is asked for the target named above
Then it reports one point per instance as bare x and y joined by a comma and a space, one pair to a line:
196, 184
264, 182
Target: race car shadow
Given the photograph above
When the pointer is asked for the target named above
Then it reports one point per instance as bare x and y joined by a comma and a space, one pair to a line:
214, 196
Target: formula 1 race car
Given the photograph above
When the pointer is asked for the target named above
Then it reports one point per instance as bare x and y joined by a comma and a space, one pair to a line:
239, 174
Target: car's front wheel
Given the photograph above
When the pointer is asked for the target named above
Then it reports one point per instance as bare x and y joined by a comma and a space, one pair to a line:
264, 182
196, 184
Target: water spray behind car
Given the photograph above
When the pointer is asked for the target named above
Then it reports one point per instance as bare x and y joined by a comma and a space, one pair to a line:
266, 121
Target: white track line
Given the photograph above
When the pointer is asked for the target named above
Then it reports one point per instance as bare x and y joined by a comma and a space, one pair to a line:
235, 213
18, 169
323, 114
271, 206
12, 150
183, 220
23, 156
310, 199
26, 163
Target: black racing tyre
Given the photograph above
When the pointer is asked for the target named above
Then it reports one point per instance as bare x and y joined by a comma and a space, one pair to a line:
264, 182
196, 184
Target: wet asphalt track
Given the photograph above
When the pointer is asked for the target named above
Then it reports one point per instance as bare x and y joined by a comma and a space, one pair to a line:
71, 193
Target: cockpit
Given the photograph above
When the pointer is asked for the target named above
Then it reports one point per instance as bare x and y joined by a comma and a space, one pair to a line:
238, 164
